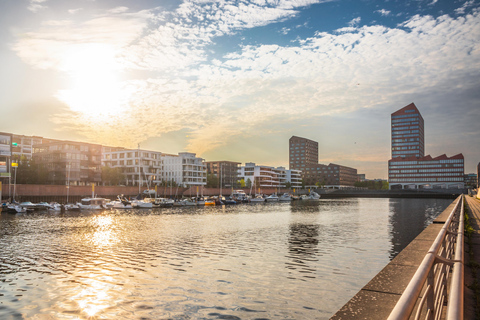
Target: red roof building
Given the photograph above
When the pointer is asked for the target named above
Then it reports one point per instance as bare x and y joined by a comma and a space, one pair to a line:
409, 168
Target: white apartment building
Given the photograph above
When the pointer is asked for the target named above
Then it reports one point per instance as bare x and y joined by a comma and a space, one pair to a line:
150, 168
270, 177
140, 167
185, 169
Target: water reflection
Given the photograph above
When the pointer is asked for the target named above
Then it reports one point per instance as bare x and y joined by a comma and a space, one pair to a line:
299, 260
408, 217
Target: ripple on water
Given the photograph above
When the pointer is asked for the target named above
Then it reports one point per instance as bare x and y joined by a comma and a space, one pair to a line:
272, 261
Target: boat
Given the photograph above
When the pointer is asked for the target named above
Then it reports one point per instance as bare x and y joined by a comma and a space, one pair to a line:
142, 204
313, 196
200, 201
230, 201
239, 196
92, 204
285, 197
163, 202
72, 207
120, 203
28, 205
209, 202
258, 198
272, 198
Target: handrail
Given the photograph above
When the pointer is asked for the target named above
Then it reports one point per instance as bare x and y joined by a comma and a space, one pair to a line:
432, 274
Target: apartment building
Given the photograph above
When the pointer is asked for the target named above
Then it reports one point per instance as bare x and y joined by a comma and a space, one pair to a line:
269, 177
139, 167
302, 153
226, 171
185, 169
330, 176
75, 163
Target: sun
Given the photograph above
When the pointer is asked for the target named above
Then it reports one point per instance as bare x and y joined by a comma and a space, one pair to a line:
95, 88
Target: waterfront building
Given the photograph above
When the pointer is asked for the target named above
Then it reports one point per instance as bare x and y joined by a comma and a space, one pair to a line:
5, 157
76, 163
302, 153
332, 176
185, 169
407, 138
361, 177
478, 175
22, 146
139, 167
226, 171
269, 177
471, 180
426, 172
409, 168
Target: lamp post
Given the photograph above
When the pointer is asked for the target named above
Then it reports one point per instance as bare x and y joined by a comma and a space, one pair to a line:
15, 165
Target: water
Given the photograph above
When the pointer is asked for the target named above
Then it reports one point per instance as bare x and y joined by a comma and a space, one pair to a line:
299, 260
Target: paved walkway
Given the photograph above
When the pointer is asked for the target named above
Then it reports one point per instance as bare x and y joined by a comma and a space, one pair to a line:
472, 261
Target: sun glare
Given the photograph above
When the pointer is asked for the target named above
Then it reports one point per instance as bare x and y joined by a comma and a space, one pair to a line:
96, 89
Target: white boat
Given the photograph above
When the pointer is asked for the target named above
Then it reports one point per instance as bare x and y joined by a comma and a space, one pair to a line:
120, 203
285, 197
71, 207
258, 198
92, 203
239, 196
142, 204
20, 209
313, 196
272, 198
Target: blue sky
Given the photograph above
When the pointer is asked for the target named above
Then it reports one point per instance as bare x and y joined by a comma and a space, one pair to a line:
234, 80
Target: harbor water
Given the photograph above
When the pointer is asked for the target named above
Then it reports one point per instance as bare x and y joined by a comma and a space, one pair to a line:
298, 260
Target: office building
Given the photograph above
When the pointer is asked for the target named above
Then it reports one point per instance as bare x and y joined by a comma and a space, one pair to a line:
226, 171
302, 153
407, 133
409, 168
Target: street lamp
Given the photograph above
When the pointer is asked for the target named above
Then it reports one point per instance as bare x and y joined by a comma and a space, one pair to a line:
15, 165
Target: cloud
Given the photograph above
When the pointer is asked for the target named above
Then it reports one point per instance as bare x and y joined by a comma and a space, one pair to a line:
354, 22
465, 6
384, 12
36, 5
257, 90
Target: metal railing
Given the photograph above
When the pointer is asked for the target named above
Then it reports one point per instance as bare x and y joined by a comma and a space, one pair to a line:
426, 294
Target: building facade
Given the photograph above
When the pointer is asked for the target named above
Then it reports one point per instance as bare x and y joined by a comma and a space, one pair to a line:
139, 167
471, 180
330, 176
426, 172
302, 153
407, 129
409, 168
185, 169
5, 157
259, 176
69, 162
226, 171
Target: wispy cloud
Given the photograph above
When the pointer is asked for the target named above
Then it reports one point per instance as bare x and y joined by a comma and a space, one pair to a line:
245, 91
384, 12
36, 5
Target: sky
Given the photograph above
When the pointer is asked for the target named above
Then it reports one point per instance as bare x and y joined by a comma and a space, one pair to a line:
234, 80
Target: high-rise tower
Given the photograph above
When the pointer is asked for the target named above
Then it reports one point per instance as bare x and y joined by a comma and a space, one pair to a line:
302, 153
407, 133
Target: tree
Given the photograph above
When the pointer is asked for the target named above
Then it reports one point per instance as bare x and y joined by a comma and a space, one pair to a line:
212, 181
288, 185
112, 176
249, 183
29, 171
